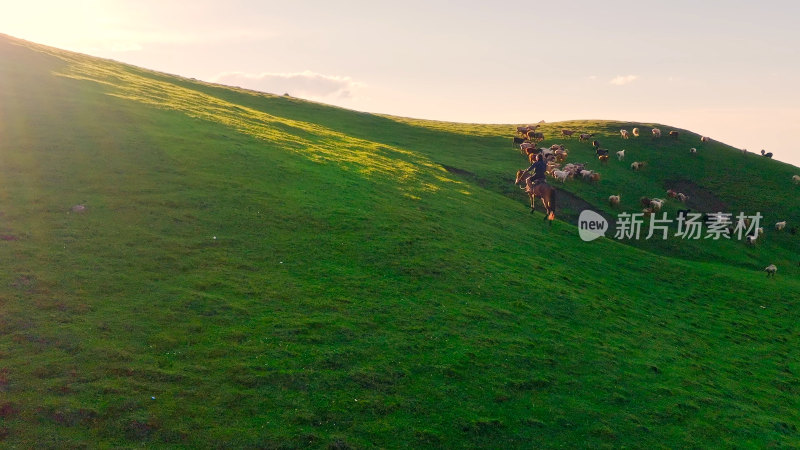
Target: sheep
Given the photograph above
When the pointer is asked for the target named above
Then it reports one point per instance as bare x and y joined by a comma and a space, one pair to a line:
637, 165
656, 204
751, 239
624, 134
693, 151
595, 177
586, 174
645, 201
560, 175
585, 137
766, 155
673, 134
796, 179
780, 225
771, 269
567, 133
636, 132
760, 231
535, 137
705, 139
517, 141
672, 193
621, 155
682, 197
656, 132
613, 200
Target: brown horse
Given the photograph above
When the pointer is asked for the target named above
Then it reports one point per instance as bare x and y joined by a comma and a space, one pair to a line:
542, 190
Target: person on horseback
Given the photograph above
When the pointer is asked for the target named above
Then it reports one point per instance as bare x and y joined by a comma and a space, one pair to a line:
539, 167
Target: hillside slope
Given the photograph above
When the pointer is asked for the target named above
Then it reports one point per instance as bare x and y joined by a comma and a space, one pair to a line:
260, 271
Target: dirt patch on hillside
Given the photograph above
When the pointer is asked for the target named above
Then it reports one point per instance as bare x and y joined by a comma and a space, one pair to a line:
700, 198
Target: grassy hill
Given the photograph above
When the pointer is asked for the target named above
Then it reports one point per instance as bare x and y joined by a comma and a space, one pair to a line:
251, 271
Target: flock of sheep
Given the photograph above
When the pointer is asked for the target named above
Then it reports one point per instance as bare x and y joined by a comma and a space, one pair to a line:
555, 155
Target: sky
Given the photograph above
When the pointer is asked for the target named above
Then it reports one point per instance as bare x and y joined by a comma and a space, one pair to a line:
724, 69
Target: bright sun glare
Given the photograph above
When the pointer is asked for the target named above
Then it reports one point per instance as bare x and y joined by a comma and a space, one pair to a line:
66, 25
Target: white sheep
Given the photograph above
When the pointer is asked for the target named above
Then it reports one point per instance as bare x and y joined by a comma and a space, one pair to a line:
656, 204
621, 155
780, 225
613, 200
705, 139
796, 179
751, 239
771, 269
624, 134
636, 132
635, 165
586, 173
560, 175
656, 132
693, 151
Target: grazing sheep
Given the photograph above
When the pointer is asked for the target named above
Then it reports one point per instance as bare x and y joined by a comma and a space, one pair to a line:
656, 133
693, 151
672, 193
522, 130
673, 134
796, 179
636, 132
637, 165
586, 174
656, 204
567, 133
705, 139
751, 239
621, 155
535, 137
682, 197
613, 200
595, 177
780, 225
560, 175
515, 141
771, 269
624, 134
766, 155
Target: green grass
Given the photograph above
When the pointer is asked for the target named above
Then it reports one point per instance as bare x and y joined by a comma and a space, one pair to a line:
258, 271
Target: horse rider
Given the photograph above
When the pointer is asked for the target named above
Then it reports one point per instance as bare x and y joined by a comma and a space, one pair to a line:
539, 167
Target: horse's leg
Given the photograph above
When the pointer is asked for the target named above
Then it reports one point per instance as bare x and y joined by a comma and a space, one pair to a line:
533, 202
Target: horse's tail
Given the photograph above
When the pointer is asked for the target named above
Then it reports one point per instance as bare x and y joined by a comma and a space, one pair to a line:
552, 214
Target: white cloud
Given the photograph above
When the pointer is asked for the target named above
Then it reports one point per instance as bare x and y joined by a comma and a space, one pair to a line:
623, 79
304, 84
